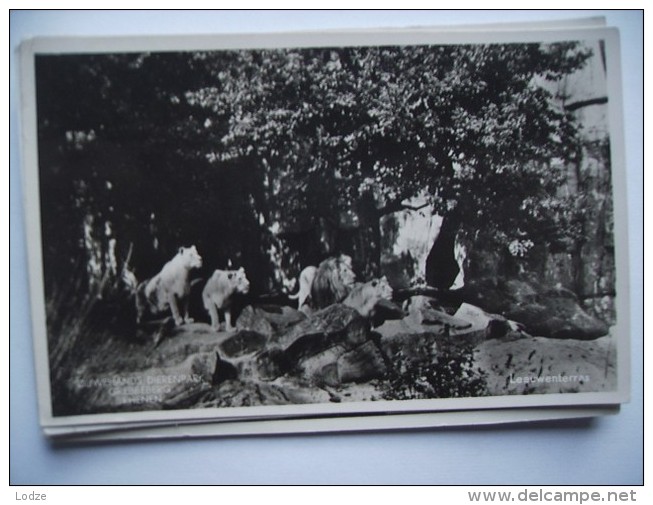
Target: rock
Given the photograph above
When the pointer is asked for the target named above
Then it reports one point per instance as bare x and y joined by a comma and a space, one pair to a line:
281, 317
308, 349
267, 365
557, 314
544, 311
223, 371
321, 368
334, 325
184, 396
268, 320
363, 363
183, 341
254, 319
496, 295
202, 365
329, 347
243, 342
336, 366
520, 291
545, 365
313, 347
247, 394
283, 391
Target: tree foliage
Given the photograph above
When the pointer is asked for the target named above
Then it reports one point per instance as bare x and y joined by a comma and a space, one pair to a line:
230, 149
475, 127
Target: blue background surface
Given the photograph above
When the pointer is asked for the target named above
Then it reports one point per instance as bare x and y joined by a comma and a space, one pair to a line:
601, 451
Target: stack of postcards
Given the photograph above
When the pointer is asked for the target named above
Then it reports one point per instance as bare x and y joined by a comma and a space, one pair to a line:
327, 231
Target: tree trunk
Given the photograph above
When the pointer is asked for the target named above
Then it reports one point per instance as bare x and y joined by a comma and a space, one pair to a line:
441, 265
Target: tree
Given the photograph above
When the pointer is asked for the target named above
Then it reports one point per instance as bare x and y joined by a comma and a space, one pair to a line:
474, 127
230, 149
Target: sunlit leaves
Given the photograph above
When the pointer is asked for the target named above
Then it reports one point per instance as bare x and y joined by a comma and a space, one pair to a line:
310, 132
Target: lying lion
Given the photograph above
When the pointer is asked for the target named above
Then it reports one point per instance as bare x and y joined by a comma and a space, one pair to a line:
364, 297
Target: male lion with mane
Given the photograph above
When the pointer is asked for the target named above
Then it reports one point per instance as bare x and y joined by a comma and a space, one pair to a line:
333, 281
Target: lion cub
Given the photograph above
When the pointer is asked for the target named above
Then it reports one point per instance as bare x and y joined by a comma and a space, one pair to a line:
169, 287
219, 292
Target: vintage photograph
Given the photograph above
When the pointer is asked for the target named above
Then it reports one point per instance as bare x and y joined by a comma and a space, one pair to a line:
326, 225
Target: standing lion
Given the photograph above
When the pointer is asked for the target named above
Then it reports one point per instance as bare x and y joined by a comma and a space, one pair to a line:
219, 293
169, 288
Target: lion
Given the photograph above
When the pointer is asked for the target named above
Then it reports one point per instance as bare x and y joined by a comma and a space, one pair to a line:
219, 293
364, 297
169, 287
334, 279
305, 282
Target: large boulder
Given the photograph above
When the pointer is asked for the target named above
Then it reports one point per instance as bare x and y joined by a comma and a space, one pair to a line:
335, 366
544, 311
334, 325
243, 342
361, 364
496, 295
268, 320
557, 314
328, 347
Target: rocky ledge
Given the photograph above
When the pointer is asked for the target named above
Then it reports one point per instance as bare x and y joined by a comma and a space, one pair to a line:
278, 355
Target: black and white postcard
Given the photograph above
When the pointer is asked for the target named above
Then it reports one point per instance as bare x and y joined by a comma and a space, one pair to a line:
249, 228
